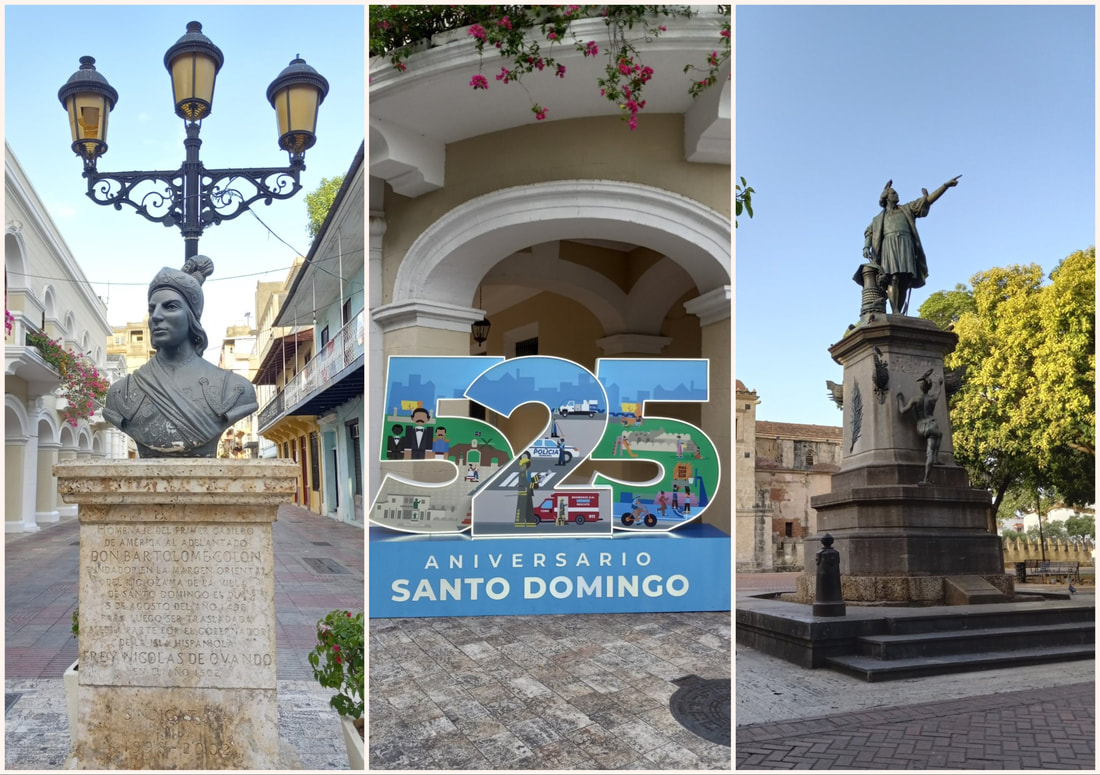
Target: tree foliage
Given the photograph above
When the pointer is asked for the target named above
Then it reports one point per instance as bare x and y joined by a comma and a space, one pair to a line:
319, 202
1081, 525
743, 200
1025, 417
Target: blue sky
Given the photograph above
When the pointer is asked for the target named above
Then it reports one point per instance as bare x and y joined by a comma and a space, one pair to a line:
42, 48
833, 101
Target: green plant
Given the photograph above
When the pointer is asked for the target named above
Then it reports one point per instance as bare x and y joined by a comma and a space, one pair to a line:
338, 659
76, 622
81, 383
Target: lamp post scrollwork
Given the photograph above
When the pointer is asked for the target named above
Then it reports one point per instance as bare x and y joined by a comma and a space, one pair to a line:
193, 197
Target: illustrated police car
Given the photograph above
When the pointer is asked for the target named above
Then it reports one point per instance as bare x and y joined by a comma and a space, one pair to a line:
549, 448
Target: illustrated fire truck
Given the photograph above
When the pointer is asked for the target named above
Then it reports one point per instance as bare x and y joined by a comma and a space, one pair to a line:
569, 506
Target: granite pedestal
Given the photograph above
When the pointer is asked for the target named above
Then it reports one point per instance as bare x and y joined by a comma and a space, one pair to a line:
177, 612
900, 540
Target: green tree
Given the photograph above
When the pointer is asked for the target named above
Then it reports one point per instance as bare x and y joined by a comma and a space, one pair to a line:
1081, 525
944, 308
319, 201
1025, 415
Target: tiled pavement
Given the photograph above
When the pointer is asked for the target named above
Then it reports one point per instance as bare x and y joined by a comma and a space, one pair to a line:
1038, 717
586, 692
318, 568
1033, 729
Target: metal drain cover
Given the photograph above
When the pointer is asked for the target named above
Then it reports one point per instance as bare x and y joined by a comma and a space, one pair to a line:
323, 565
702, 706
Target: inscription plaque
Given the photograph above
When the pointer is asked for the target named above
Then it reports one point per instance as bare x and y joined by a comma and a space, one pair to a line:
174, 604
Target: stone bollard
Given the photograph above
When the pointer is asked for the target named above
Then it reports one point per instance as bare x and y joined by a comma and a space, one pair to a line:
828, 600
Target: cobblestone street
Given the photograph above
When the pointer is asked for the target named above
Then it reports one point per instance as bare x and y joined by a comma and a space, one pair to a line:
318, 568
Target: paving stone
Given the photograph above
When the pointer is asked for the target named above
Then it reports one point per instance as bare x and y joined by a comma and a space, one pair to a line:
36, 730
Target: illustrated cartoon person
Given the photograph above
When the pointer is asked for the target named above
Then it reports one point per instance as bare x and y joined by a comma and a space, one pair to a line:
675, 497
561, 451
563, 516
679, 446
393, 443
418, 436
525, 491
687, 499
441, 446
662, 502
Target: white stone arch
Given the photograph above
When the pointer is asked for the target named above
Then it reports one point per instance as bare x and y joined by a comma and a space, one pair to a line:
49, 302
85, 343
17, 425
70, 325
68, 436
84, 439
49, 430
639, 311
97, 445
447, 261
15, 259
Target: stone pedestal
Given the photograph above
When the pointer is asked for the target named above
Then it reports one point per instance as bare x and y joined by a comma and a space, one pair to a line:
899, 540
177, 612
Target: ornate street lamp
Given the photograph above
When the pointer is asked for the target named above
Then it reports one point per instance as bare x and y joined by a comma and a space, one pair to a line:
193, 197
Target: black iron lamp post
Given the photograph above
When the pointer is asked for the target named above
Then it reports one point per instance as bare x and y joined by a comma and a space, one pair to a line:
193, 197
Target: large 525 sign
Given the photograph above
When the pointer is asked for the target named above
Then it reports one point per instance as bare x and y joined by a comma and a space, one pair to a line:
496, 491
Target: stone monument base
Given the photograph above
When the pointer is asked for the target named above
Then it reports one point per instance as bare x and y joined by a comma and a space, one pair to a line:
913, 590
177, 612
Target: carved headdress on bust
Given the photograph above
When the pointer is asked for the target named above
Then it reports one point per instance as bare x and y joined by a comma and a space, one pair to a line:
177, 404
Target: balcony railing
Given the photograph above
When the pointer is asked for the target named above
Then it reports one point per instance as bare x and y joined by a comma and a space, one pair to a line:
338, 353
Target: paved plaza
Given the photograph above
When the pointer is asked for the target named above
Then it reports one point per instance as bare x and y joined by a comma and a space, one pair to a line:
787, 717
568, 692
318, 568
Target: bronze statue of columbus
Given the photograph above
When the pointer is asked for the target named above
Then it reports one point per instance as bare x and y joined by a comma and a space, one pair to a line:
177, 404
891, 243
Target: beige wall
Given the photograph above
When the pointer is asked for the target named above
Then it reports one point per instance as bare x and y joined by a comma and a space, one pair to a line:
587, 148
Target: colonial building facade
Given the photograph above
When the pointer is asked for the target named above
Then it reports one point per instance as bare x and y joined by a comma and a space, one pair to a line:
311, 359
780, 467
573, 235
46, 293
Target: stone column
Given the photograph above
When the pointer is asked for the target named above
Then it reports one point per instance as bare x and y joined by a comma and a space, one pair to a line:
45, 507
177, 612
13, 489
28, 486
715, 310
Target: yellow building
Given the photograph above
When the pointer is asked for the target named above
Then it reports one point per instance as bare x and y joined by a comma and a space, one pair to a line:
574, 235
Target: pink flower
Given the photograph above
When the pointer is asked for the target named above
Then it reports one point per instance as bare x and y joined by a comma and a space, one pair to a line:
663, 28
539, 111
591, 49
725, 33
477, 31
552, 36
479, 82
401, 66
504, 75
561, 71
633, 122
505, 23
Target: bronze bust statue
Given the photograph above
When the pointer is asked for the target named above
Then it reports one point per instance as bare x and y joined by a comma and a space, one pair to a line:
177, 404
